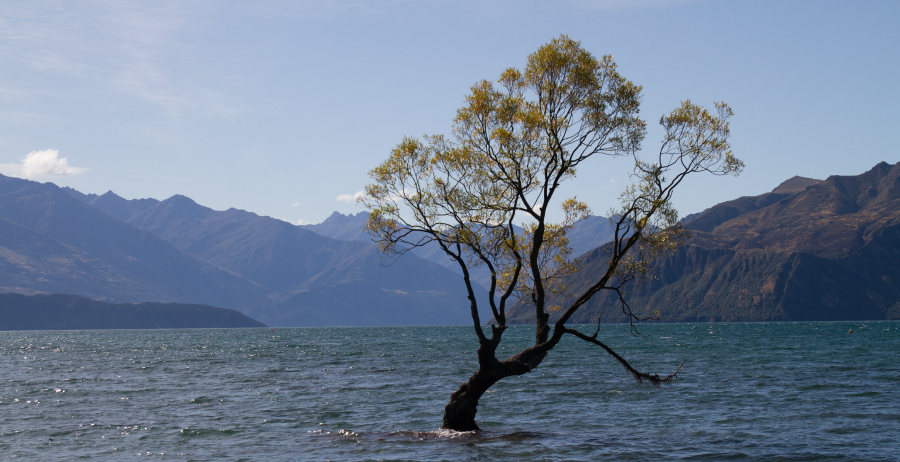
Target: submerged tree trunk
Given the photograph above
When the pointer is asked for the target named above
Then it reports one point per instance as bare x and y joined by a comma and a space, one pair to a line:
459, 414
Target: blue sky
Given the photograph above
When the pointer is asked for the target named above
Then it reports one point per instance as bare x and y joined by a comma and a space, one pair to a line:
281, 108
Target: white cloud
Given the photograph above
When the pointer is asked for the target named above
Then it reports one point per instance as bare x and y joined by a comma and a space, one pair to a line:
350, 198
41, 163
302, 222
296, 204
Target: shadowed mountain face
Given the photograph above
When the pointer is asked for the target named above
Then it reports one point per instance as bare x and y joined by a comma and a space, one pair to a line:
71, 312
303, 278
832, 218
826, 250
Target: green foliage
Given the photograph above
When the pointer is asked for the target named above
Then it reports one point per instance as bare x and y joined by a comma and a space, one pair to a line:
513, 144
694, 141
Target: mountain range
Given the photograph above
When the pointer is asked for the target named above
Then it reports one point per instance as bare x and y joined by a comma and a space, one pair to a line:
585, 235
808, 250
55, 240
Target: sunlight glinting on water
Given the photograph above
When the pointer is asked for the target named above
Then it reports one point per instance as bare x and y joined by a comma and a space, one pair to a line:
792, 391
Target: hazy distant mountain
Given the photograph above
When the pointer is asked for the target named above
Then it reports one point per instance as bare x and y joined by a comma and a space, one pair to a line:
343, 227
51, 242
272, 253
585, 235
353, 228
106, 247
808, 250
590, 233
303, 278
71, 312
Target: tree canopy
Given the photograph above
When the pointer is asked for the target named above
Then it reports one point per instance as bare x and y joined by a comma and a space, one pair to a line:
513, 145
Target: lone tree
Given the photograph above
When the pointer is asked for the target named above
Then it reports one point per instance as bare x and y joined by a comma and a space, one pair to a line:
514, 143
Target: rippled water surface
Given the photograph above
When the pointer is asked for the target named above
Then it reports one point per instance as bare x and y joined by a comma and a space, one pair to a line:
755, 391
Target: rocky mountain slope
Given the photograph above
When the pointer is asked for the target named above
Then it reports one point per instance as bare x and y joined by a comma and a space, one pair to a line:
708, 219
808, 250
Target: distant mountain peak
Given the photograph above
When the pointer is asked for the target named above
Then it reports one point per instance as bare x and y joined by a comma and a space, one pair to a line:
180, 198
87, 198
343, 227
110, 193
340, 217
183, 202
795, 184
108, 197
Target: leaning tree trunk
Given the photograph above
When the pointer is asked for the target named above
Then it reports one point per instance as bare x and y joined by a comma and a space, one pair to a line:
459, 414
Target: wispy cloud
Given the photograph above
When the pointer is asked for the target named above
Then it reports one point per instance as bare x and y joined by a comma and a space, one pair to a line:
124, 45
302, 222
350, 198
41, 163
295, 204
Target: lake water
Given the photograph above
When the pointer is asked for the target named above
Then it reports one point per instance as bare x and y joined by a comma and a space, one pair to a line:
754, 391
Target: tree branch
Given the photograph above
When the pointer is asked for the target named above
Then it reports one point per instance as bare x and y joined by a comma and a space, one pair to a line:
654, 379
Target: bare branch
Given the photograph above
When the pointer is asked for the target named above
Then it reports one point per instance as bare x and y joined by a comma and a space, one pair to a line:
653, 379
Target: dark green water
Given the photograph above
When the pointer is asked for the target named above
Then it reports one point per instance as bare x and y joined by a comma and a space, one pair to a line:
756, 391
